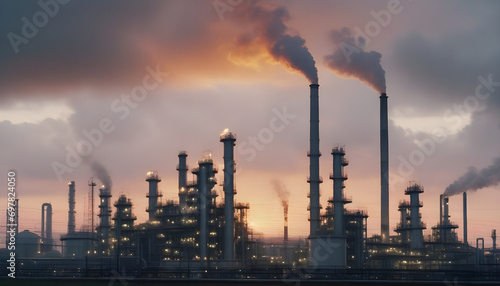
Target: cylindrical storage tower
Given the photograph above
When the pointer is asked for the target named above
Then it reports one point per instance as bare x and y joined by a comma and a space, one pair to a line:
153, 195
71, 212
384, 169
228, 139
404, 225
314, 179
203, 207
27, 244
338, 178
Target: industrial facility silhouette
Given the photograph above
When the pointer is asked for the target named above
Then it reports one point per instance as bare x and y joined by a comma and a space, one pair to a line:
203, 235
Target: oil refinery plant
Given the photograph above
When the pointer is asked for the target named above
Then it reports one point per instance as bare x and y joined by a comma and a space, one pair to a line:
205, 235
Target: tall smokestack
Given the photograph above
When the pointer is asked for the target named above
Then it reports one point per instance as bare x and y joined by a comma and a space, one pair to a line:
446, 216
228, 139
384, 169
153, 195
46, 232
465, 217
445, 233
440, 209
285, 222
182, 168
71, 212
284, 195
494, 238
314, 179
285, 233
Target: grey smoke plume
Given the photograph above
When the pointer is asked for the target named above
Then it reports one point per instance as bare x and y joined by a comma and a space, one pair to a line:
269, 29
102, 174
474, 180
283, 194
351, 61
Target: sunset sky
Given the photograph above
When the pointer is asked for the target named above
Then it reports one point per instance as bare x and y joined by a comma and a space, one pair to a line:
209, 65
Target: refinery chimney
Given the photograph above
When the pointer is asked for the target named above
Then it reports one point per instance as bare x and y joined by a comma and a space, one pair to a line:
494, 238
440, 209
71, 212
182, 168
446, 220
46, 233
153, 195
228, 139
314, 179
384, 169
465, 218
446, 212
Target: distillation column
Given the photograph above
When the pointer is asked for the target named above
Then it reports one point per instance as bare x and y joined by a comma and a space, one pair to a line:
104, 228
416, 226
153, 195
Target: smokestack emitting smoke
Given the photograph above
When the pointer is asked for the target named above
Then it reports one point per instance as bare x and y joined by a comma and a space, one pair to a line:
384, 169
283, 195
268, 31
474, 180
102, 174
351, 61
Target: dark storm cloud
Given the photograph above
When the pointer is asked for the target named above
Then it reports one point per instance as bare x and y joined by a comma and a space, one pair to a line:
448, 67
267, 27
92, 43
443, 73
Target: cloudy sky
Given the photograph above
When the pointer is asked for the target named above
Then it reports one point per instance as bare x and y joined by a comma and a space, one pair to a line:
195, 68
